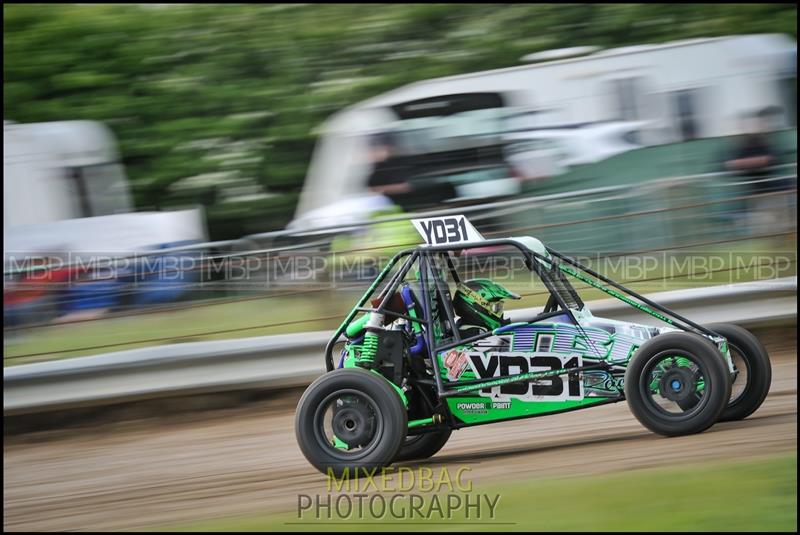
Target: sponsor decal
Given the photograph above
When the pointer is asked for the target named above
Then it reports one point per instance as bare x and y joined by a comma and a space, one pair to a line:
602, 383
481, 407
455, 362
472, 407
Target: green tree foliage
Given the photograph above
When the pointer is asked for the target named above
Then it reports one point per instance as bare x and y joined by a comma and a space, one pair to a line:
230, 94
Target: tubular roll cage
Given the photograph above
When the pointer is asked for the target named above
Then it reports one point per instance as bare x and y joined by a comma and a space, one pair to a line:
551, 278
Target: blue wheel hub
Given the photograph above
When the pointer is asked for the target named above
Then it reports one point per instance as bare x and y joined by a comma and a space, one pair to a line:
675, 384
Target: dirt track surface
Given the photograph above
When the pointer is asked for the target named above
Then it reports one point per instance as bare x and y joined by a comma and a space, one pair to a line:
140, 474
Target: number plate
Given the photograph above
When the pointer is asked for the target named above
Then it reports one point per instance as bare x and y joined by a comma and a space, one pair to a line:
446, 230
501, 364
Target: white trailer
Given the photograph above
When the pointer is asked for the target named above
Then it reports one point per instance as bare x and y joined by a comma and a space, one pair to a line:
65, 191
677, 91
60, 170
66, 201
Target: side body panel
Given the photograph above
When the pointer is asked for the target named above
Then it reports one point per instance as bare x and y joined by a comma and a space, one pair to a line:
555, 343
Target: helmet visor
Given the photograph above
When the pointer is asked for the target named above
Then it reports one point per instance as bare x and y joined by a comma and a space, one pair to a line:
497, 307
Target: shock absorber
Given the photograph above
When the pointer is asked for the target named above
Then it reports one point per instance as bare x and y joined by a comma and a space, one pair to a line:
369, 348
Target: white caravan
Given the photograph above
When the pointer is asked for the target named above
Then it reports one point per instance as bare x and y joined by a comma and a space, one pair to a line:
649, 94
64, 191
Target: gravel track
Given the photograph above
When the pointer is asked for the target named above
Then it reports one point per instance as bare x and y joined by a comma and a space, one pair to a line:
149, 473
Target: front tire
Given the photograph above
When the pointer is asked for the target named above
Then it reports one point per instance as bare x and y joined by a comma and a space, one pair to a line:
350, 420
750, 388
670, 369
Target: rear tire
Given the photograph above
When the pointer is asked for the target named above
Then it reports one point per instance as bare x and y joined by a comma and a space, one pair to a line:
754, 357
367, 418
423, 446
655, 385
421, 401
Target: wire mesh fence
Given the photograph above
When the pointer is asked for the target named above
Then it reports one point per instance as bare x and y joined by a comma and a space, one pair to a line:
753, 222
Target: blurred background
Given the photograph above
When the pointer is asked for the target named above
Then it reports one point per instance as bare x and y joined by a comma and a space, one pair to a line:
182, 173
256, 140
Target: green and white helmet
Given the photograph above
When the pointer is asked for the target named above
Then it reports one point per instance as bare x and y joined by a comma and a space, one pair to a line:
480, 302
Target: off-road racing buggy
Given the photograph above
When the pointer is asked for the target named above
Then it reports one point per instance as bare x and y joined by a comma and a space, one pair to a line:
420, 362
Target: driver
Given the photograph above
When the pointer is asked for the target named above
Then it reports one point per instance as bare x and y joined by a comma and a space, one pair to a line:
479, 305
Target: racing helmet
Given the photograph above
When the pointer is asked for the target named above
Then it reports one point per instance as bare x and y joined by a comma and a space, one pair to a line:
480, 302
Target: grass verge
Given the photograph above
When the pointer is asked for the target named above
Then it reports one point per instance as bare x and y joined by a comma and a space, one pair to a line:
749, 495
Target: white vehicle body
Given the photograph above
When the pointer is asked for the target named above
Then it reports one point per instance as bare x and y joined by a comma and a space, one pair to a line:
681, 90
64, 192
